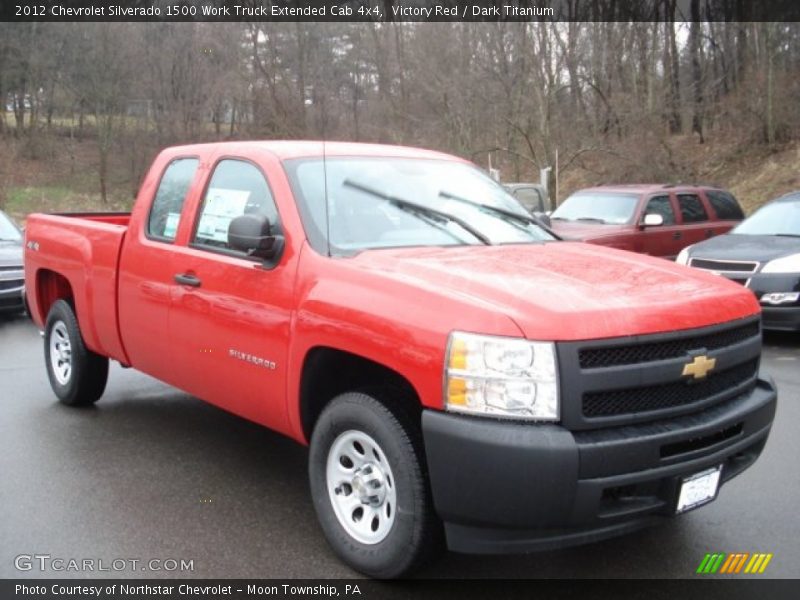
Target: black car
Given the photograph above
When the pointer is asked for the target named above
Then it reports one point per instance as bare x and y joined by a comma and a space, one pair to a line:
763, 254
12, 281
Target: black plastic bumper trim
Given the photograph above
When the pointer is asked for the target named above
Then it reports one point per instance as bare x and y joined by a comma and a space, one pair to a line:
504, 486
781, 318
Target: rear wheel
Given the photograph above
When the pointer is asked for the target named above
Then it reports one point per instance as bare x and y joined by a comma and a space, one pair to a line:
370, 489
77, 375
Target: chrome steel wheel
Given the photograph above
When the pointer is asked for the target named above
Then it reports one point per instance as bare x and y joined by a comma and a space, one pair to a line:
60, 352
361, 487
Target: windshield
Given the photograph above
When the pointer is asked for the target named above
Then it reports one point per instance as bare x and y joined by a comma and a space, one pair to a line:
777, 218
597, 207
394, 202
8, 231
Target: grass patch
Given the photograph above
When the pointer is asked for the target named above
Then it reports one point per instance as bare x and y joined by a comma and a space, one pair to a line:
22, 201
28, 199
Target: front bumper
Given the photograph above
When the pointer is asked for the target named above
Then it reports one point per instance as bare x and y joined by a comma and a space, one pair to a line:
12, 300
504, 487
785, 317
780, 318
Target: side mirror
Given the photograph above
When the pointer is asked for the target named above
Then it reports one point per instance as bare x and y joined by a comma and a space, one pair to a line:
252, 234
653, 220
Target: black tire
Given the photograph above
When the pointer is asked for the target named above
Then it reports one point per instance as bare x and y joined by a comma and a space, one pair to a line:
88, 373
415, 535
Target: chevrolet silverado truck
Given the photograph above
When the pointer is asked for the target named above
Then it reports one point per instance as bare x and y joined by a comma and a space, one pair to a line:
461, 376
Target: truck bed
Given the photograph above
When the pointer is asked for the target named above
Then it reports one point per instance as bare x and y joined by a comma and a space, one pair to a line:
81, 250
110, 218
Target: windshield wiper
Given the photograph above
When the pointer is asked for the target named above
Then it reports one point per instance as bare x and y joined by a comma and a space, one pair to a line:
493, 209
409, 206
786, 234
592, 219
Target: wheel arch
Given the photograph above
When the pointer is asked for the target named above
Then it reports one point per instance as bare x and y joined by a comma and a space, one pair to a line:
50, 286
328, 372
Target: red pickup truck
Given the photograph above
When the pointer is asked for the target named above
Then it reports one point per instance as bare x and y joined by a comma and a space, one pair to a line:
459, 373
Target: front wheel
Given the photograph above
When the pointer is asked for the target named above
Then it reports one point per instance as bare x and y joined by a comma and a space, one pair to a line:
77, 375
370, 491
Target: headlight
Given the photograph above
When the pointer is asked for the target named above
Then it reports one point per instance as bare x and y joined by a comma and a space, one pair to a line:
786, 264
502, 377
683, 256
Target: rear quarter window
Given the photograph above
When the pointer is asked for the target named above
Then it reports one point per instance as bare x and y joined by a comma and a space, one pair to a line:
725, 205
165, 213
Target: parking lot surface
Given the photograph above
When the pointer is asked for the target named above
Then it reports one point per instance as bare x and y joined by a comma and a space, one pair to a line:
151, 473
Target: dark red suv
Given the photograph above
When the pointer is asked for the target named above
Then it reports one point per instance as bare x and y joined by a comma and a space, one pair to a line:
659, 220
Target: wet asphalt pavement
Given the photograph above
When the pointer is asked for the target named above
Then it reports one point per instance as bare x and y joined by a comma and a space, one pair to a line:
151, 473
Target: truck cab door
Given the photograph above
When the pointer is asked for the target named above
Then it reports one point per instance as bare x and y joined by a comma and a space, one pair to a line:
231, 312
145, 270
664, 240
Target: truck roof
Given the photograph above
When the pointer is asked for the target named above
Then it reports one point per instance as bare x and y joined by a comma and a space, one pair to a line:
644, 188
287, 149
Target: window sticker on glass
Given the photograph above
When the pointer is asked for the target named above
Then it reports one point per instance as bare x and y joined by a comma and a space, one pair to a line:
221, 207
171, 224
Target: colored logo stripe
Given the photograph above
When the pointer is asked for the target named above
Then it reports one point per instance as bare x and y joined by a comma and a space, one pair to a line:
720, 562
758, 564
734, 563
711, 563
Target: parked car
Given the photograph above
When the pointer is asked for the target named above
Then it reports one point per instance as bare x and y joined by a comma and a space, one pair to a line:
12, 281
533, 196
762, 254
659, 220
459, 374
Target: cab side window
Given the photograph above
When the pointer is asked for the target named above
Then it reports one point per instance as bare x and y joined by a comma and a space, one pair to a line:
660, 205
692, 208
236, 188
165, 213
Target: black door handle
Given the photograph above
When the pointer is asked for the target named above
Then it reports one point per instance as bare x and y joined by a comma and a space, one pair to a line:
677, 235
189, 280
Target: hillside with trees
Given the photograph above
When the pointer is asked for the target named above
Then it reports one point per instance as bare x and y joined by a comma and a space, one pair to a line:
86, 106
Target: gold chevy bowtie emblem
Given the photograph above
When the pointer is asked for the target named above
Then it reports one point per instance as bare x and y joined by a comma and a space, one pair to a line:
699, 367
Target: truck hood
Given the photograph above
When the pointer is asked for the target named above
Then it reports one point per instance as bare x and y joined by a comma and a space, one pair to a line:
565, 290
571, 230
